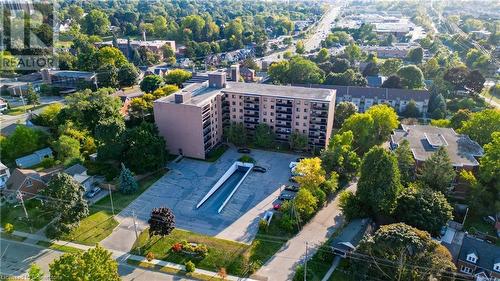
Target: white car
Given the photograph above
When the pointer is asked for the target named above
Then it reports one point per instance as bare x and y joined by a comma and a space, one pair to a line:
292, 165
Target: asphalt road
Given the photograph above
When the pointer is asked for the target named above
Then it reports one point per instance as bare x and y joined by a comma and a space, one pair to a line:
18, 256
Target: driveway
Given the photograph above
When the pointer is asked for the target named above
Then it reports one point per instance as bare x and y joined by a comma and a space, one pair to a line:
282, 265
186, 184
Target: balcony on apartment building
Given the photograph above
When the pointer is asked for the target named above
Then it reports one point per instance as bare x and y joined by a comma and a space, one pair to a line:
319, 113
281, 137
319, 106
284, 117
318, 121
283, 109
284, 103
284, 131
282, 124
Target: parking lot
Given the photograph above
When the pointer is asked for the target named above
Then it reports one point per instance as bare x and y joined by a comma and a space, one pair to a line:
189, 180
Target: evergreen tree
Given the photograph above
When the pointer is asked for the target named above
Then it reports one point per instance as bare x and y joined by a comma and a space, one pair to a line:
406, 163
437, 106
128, 184
32, 97
437, 171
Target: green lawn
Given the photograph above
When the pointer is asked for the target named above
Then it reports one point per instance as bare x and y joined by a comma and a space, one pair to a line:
237, 258
100, 223
215, 154
14, 214
22, 109
61, 248
475, 223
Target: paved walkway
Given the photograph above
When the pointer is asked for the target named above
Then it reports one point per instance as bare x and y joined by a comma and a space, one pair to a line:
282, 265
120, 256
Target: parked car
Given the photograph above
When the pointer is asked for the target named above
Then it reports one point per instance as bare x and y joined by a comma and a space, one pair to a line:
299, 159
277, 206
93, 192
243, 150
292, 165
259, 169
286, 196
292, 188
292, 179
489, 219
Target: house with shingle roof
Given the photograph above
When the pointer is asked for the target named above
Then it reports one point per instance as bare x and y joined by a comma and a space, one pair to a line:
27, 182
34, 159
479, 259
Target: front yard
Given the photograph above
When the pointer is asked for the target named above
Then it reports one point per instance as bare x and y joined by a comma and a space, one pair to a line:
14, 214
100, 223
237, 258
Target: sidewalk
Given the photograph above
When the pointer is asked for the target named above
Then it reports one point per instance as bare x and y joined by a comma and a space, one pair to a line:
120, 256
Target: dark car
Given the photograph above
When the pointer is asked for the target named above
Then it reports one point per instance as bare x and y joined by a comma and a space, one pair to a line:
292, 188
300, 159
286, 196
243, 150
292, 179
259, 169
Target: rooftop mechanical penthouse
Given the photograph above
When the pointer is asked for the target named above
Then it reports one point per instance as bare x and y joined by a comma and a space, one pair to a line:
192, 120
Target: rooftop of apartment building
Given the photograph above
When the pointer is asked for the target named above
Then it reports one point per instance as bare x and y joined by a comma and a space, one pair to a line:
200, 92
425, 140
373, 92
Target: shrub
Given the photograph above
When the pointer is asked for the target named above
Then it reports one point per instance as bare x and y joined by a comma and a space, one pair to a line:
262, 225
8, 228
150, 256
177, 247
201, 250
299, 273
190, 267
287, 223
320, 195
48, 162
246, 159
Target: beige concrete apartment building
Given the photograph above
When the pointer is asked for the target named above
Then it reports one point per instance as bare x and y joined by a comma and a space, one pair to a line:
192, 120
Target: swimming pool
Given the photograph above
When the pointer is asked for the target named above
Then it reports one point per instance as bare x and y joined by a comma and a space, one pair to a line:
215, 200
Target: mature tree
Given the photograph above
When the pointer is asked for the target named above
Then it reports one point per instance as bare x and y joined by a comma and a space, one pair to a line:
361, 125
86, 109
96, 22
264, 136
151, 83
392, 81
237, 134
278, 72
351, 206
353, 52
481, 125
145, 149
304, 71
456, 76
411, 77
67, 148
371, 69
168, 54
109, 133
385, 120
107, 76
127, 75
474, 82
340, 65
48, 116
35, 273
75, 12
299, 48
343, 110
128, 184
340, 155
94, 264
298, 141
66, 202
322, 55
390, 66
32, 97
423, 208
161, 222
177, 77
406, 162
415, 55
310, 173
111, 56
489, 170
379, 182
437, 106
347, 78
461, 116
437, 171
250, 63
305, 203
22, 141
411, 110
409, 254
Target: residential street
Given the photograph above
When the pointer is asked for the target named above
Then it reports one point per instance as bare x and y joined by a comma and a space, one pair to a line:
17, 262
282, 265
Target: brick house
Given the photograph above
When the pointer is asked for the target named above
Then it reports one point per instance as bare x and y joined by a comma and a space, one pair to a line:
479, 259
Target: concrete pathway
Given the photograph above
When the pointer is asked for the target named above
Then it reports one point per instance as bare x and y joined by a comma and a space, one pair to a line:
335, 263
282, 265
120, 256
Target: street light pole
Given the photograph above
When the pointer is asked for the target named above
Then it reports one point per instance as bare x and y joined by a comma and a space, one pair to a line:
135, 229
305, 265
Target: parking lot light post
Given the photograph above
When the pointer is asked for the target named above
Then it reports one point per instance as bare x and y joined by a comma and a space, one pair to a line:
111, 198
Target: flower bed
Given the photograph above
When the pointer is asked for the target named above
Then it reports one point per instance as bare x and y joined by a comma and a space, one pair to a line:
190, 248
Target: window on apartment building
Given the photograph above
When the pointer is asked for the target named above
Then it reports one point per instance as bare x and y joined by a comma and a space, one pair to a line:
305, 117
233, 103
241, 97
306, 103
264, 119
241, 103
265, 106
234, 116
297, 102
233, 96
305, 124
226, 95
234, 109
297, 116
305, 109
241, 110
241, 117
304, 131
265, 113
272, 113
271, 120
465, 269
272, 100
272, 106
297, 123
297, 109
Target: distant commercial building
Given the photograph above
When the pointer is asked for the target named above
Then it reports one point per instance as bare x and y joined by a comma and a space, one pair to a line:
127, 46
386, 52
425, 140
193, 119
69, 81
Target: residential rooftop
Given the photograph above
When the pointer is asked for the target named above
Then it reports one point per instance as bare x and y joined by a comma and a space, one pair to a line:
488, 254
425, 140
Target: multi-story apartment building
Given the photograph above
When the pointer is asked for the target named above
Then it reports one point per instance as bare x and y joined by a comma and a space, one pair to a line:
193, 119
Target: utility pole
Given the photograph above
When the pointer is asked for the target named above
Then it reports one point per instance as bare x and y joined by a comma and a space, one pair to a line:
135, 229
111, 197
20, 197
305, 265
